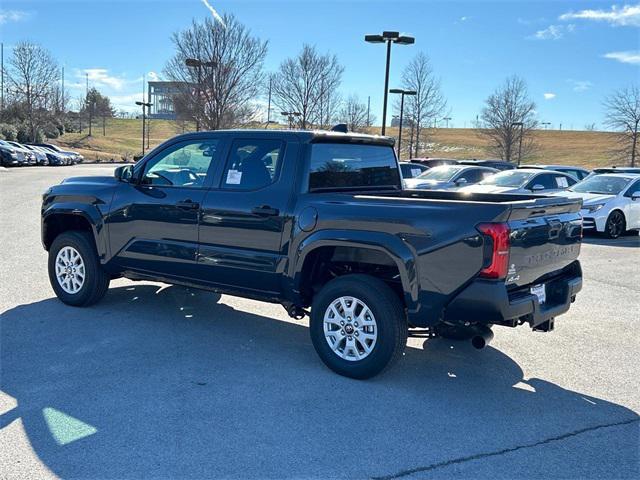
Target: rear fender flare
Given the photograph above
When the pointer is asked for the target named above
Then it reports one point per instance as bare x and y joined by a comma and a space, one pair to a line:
393, 246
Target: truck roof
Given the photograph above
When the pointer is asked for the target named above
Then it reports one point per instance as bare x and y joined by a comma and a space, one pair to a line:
306, 136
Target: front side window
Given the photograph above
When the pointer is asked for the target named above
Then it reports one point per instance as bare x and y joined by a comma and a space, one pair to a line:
252, 164
182, 165
344, 165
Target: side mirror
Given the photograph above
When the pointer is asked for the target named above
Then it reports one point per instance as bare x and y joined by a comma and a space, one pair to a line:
537, 187
635, 195
124, 173
461, 181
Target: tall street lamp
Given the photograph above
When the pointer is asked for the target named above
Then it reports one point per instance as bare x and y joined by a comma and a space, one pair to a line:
446, 119
198, 64
402, 94
521, 125
291, 116
388, 38
143, 105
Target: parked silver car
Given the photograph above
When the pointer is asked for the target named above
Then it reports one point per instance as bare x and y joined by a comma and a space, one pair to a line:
449, 177
524, 181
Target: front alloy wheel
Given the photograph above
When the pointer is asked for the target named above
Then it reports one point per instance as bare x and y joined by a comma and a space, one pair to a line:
70, 271
615, 225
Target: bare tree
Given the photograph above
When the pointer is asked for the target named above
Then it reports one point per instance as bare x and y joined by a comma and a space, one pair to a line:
221, 92
33, 76
308, 84
428, 103
500, 120
623, 116
354, 114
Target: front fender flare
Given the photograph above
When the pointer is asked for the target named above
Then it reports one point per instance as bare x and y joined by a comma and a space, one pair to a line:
90, 214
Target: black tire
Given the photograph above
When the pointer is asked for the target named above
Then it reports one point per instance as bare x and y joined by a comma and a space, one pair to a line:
96, 282
390, 318
616, 224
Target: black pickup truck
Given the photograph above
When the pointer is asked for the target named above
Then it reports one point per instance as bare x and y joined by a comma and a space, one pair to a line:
318, 222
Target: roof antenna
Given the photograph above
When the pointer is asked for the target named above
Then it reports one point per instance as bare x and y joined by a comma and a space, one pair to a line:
341, 127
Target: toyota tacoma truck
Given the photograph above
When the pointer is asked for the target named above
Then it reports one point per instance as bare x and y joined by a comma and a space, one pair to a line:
318, 222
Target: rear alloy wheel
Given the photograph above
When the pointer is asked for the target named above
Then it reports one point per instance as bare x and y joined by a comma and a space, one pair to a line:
615, 225
358, 326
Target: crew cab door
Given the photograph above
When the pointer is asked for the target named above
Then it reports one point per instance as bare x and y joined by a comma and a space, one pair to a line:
153, 225
245, 215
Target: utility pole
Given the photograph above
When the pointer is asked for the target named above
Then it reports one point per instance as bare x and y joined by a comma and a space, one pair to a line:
2, 74
143, 105
62, 102
90, 107
446, 119
368, 110
104, 130
269, 103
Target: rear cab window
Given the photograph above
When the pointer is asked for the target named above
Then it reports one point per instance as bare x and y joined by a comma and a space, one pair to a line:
345, 166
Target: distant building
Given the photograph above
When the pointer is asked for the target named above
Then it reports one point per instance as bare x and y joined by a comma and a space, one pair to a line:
161, 95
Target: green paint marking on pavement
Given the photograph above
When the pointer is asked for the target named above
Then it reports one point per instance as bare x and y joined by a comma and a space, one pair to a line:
64, 428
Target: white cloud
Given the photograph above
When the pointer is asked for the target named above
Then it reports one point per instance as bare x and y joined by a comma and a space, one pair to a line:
630, 56
101, 78
553, 32
549, 96
126, 102
7, 16
628, 15
153, 77
580, 85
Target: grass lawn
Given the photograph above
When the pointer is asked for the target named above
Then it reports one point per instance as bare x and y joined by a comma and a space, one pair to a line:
586, 149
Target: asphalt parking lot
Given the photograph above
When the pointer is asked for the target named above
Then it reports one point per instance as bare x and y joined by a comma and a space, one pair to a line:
164, 382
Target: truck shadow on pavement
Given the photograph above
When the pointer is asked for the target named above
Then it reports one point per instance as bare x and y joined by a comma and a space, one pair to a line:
166, 383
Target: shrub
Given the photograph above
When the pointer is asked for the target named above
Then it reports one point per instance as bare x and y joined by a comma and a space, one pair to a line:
8, 132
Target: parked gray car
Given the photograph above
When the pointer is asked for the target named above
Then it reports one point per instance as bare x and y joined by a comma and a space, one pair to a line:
524, 181
449, 177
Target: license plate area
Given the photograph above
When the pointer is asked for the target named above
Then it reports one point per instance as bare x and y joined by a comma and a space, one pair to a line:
540, 291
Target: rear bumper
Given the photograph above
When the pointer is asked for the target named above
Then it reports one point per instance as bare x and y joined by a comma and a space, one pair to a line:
489, 302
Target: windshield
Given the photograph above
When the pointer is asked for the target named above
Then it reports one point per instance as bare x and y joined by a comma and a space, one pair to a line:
603, 184
510, 178
347, 166
440, 174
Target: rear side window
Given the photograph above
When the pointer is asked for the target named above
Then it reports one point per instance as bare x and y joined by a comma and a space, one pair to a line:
252, 164
337, 165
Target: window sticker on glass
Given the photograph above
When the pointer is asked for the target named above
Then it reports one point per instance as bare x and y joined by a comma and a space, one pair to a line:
415, 172
234, 177
562, 182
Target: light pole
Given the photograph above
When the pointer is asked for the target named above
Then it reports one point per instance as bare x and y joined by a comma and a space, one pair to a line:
402, 94
521, 125
143, 105
388, 38
446, 119
198, 64
546, 124
290, 116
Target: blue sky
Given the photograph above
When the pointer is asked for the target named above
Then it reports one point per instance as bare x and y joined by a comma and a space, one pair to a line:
571, 54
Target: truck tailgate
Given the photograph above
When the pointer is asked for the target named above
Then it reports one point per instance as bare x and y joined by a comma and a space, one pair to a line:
545, 237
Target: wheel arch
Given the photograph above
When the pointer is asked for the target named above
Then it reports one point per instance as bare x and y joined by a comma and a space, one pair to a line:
385, 245
59, 220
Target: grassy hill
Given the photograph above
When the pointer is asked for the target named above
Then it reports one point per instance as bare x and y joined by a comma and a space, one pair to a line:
587, 149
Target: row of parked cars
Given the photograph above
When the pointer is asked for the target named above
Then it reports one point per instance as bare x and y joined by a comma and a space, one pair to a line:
14, 154
610, 196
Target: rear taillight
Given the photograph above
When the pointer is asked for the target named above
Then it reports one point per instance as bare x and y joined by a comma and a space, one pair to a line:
499, 235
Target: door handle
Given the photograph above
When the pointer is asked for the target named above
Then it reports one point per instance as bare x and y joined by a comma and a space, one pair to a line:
188, 205
265, 211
